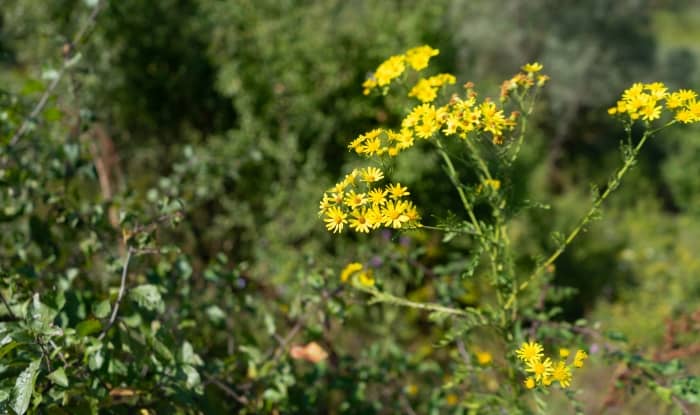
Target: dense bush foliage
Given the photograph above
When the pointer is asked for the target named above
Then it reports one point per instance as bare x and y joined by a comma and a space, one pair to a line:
161, 166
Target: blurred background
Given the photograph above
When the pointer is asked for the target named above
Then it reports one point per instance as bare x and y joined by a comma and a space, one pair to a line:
242, 111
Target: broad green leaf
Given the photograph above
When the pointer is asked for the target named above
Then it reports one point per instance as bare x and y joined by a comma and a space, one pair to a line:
59, 377
148, 296
88, 327
24, 387
102, 309
193, 379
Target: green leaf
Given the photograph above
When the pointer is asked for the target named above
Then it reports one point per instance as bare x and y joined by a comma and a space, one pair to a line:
687, 389
7, 345
24, 387
616, 336
189, 356
193, 379
4, 395
161, 350
59, 377
148, 296
88, 327
102, 309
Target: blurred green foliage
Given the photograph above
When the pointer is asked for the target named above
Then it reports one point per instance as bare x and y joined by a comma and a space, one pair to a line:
198, 135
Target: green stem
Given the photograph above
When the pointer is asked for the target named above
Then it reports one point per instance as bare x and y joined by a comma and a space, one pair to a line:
452, 173
382, 297
629, 162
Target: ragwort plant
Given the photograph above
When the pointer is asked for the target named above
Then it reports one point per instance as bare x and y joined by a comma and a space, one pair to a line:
492, 133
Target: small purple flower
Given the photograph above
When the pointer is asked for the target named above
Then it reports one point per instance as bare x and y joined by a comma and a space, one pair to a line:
594, 348
376, 261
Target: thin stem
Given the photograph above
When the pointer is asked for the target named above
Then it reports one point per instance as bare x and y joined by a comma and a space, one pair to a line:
614, 184
382, 297
452, 173
122, 288
7, 305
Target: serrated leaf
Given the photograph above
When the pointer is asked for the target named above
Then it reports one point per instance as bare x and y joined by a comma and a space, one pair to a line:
148, 296
59, 377
88, 327
24, 387
102, 309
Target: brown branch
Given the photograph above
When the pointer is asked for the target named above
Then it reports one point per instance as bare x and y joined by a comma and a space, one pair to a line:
226, 389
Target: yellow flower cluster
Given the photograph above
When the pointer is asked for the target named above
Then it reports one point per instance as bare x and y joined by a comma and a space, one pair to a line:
417, 58
426, 89
355, 269
543, 371
523, 80
462, 116
380, 141
364, 206
644, 101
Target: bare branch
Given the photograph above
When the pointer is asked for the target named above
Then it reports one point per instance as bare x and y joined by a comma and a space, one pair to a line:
122, 288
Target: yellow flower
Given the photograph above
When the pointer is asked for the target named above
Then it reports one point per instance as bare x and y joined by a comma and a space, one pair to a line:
325, 204
371, 175
350, 269
375, 217
359, 221
424, 91
540, 369
562, 374
412, 389
365, 278
419, 57
493, 120
579, 358
397, 191
335, 219
355, 200
377, 196
389, 70
532, 67
423, 119
529, 382
651, 113
493, 183
403, 139
530, 351
484, 358
685, 116
393, 214
411, 212
369, 84
452, 399
564, 353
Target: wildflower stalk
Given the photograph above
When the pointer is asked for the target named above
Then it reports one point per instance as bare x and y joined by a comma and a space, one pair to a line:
452, 173
630, 160
383, 297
